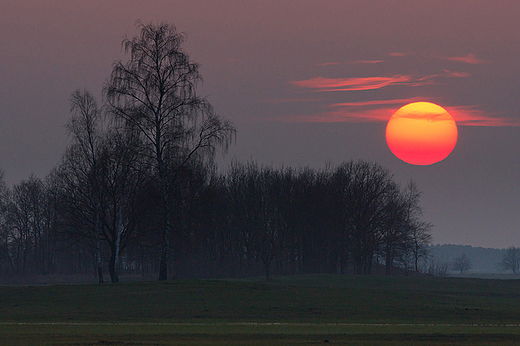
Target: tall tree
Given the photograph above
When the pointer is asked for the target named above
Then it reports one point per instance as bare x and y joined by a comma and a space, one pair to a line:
121, 181
369, 197
155, 92
80, 170
416, 233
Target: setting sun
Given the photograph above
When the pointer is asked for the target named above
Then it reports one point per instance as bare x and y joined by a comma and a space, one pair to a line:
421, 133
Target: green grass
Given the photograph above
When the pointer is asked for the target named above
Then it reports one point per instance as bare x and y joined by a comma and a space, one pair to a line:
294, 310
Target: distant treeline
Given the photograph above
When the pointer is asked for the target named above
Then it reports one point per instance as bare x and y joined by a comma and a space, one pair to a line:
252, 220
483, 260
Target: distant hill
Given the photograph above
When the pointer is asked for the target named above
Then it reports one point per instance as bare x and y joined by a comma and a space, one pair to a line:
483, 260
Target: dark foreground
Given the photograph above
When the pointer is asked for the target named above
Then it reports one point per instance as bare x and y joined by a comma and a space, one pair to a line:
299, 310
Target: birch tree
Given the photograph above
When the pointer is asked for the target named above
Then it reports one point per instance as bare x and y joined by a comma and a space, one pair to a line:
155, 92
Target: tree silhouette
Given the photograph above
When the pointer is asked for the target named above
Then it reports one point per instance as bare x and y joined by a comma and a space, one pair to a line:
82, 161
154, 92
461, 263
511, 259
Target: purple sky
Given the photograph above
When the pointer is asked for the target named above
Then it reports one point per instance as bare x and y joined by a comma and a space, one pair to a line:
305, 82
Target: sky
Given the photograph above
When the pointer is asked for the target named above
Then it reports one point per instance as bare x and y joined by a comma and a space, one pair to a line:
306, 83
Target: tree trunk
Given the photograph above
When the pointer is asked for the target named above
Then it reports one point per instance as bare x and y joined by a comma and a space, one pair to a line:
165, 250
389, 259
111, 267
267, 274
117, 245
267, 269
98, 249
98, 262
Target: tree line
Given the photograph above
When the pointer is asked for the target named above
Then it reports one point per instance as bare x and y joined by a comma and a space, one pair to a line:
250, 220
137, 192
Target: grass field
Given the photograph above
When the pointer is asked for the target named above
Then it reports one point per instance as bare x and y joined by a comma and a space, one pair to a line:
296, 310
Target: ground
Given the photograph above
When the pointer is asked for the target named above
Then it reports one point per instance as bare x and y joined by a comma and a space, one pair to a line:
295, 310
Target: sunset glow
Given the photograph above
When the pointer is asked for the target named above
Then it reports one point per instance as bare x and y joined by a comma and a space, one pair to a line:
421, 133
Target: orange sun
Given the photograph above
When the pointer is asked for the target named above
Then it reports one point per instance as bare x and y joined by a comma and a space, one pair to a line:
421, 133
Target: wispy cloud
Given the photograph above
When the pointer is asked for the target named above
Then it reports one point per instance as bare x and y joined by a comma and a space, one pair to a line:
330, 63
380, 111
377, 102
364, 62
473, 116
351, 84
355, 112
371, 83
456, 74
354, 62
468, 59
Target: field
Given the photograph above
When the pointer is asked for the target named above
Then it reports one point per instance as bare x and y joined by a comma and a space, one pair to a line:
295, 310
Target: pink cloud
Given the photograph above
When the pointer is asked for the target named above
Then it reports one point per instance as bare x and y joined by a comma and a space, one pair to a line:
332, 63
381, 111
355, 62
350, 84
365, 62
468, 59
397, 54
377, 102
372, 83
472, 116
456, 74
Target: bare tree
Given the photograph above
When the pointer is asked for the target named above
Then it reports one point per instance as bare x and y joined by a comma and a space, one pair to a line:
511, 259
369, 194
121, 183
26, 223
80, 171
155, 92
419, 239
437, 267
461, 263
417, 232
270, 216
52, 222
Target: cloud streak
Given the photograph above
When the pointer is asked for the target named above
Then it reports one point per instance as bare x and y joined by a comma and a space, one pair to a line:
355, 62
473, 116
330, 63
351, 84
377, 102
321, 84
380, 111
397, 54
364, 62
468, 59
